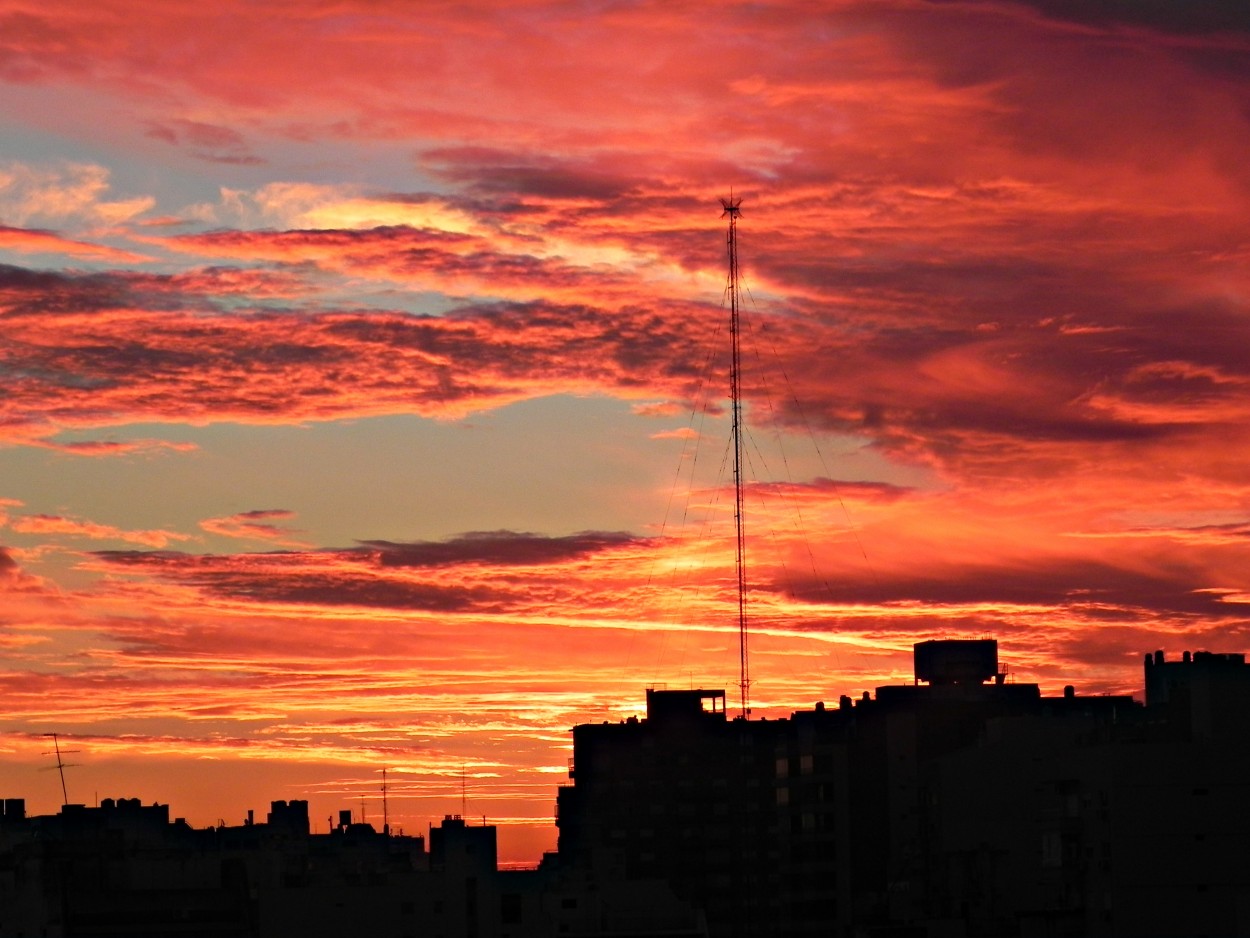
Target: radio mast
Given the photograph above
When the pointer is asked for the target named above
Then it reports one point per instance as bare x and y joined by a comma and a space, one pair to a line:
732, 210
61, 764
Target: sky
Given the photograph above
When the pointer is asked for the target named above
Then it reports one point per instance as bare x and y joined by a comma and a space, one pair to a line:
364, 374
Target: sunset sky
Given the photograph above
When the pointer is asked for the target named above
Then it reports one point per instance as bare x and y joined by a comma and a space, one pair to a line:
363, 372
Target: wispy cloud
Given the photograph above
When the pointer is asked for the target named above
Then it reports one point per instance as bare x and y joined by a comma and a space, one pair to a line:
211, 142
57, 525
113, 447
38, 241
257, 525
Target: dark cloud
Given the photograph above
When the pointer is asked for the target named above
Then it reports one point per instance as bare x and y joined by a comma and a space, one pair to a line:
1093, 589
276, 243
24, 291
286, 577
820, 486
1184, 17
487, 171
366, 593
499, 548
372, 575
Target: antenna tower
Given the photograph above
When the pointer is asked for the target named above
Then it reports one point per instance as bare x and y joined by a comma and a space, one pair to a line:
732, 209
61, 764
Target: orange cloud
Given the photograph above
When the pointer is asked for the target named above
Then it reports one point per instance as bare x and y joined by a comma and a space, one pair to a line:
255, 525
73, 527
5, 504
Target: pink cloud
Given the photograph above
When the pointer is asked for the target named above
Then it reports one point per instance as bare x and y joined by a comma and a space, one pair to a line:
211, 142
35, 241
114, 447
681, 433
256, 526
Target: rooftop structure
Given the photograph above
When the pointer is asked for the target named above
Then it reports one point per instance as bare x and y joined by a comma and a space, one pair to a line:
957, 661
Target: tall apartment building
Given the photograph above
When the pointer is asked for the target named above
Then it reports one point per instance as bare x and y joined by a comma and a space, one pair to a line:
960, 805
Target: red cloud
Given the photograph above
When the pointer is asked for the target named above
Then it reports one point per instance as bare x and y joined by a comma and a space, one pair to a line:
35, 241
101, 359
453, 263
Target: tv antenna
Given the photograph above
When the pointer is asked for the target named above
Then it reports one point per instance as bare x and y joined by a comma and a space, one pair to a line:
732, 209
61, 764
386, 823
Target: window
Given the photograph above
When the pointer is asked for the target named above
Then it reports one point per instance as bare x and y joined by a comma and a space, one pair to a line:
1052, 850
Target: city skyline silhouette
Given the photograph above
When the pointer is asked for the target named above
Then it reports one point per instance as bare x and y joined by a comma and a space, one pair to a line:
960, 804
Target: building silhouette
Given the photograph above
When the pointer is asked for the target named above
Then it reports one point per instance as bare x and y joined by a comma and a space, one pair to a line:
960, 805
124, 869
